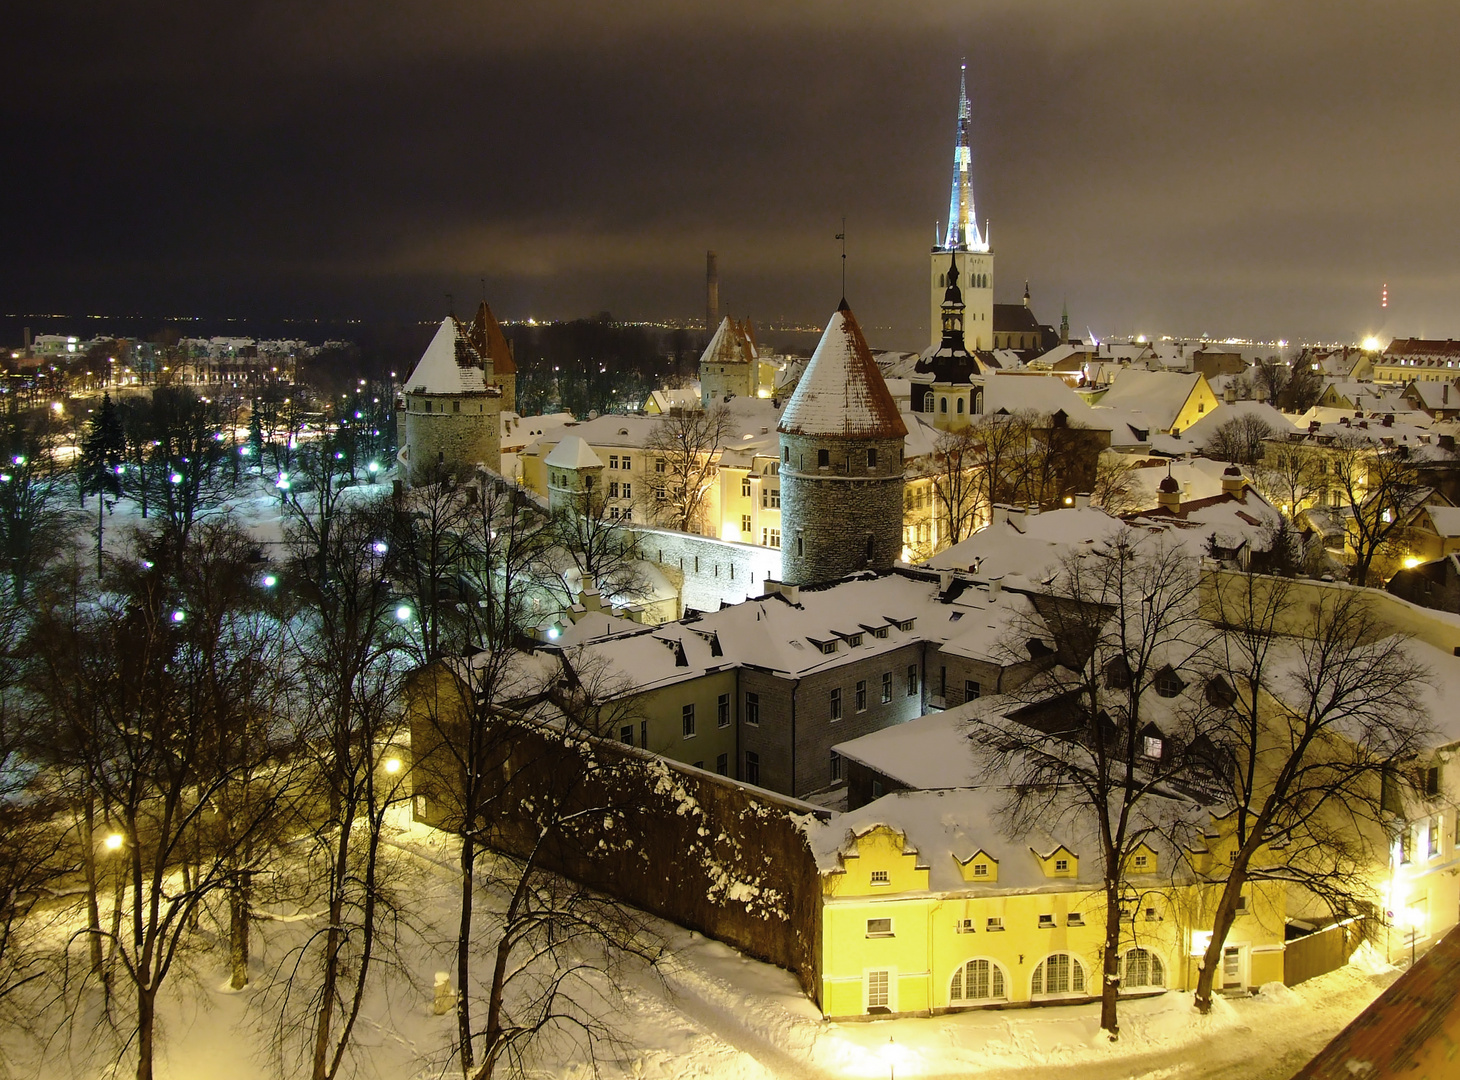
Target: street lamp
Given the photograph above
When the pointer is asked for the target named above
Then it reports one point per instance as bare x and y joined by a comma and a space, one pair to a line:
392, 765
113, 842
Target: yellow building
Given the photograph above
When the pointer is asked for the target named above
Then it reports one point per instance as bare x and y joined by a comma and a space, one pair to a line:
927, 907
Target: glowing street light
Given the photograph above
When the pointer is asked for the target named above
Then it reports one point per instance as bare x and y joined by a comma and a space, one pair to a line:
179, 616
403, 613
113, 841
392, 765
270, 581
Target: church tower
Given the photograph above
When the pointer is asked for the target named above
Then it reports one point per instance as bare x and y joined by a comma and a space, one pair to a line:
968, 246
841, 463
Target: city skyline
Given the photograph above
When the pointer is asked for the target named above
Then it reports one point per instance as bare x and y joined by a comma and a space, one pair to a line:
1164, 171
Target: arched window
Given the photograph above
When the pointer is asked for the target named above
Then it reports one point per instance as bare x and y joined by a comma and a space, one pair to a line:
928, 402
978, 980
1059, 973
941, 282
959, 409
1141, 969
942, 404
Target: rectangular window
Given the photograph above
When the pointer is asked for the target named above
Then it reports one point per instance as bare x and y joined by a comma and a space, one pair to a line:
912, 680
861, 695
1242, 902
752, 708
970, 690
1152, 915
774, 538
980, 869
752, 767
1074, 918
879, 927
628, 491
626, 734
1434, 831
994, 924
613, 489
745, 523
828, 647
836, 765
775, 498
881, 877
722, 711
644, 734
722, 764
658, 464
1140, 861
1046, 922
877, 789
877, 990
836, 703
745, 487
688, 717
871, 457
625, 463
1432, 781
613, 461
823, 459
1406, 845
886, 687
943, 679
1061, 866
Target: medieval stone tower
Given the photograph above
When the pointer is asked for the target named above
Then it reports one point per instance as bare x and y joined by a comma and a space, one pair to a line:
841, 463
729, 366
449, 412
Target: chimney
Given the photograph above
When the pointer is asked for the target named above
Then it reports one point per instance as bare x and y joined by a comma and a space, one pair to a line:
1229, 394
999, 514
1168, 493
712, 292
945, 581
1388, 420
1233, 482
1082, 501
996, 586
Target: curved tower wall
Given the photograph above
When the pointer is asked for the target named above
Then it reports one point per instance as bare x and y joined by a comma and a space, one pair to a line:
843, 517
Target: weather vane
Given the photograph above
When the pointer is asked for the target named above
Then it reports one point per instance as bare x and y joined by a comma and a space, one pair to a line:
842, 236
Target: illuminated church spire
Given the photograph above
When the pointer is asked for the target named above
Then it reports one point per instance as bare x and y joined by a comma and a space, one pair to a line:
963, 231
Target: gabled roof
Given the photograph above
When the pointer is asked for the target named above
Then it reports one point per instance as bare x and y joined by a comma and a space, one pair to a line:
1014, 319
440, 370
1159, 394
841, 392
487, 338
573, 453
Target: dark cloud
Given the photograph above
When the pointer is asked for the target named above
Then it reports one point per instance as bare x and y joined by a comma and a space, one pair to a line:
1222, 167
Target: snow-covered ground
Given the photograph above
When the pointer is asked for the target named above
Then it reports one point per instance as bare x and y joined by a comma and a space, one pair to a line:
708, 1011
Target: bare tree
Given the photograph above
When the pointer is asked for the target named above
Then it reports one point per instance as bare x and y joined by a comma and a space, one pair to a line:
188, 456
353, 652
1291, 474
1125, 618
1115, 490
957, 487
598, 549
164, 663
1239, 440
1310, 704
1293, 388
34, 520
687, 442
1377, 489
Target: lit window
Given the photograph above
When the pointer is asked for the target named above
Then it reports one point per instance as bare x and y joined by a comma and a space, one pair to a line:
994, 924
745, 487
881, 877
1059, 973
877, 990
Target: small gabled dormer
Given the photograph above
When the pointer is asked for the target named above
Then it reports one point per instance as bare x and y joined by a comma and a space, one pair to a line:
1059, 863
978, 868
878, 861
1142, 860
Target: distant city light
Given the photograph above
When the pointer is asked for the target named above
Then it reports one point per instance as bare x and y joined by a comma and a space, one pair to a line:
1371, 344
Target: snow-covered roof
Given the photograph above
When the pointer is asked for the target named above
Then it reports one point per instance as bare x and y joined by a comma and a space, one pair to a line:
573, 453
947, 827
438, 371
841, 392
930, 752
1028, 544
1046, 394
1158, 394
1200, 432
732, 343
1446, 519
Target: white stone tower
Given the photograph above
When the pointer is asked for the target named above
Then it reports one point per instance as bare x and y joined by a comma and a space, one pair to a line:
968, 246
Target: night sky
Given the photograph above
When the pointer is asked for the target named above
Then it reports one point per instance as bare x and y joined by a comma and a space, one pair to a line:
1230, 168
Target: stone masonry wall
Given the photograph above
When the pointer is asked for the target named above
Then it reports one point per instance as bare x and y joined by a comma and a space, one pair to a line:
470, 437
829, 513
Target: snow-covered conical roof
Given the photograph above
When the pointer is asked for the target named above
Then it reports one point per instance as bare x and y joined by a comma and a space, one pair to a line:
841, 392
573, 453
731, 344
440, 372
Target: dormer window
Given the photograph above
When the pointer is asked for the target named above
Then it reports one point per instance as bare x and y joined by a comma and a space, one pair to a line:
1151, 747
828, 647
1117, 674
1061, 866
1168, 683
981, 869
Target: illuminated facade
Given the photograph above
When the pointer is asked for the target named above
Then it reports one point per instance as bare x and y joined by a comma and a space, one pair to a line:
968, 246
